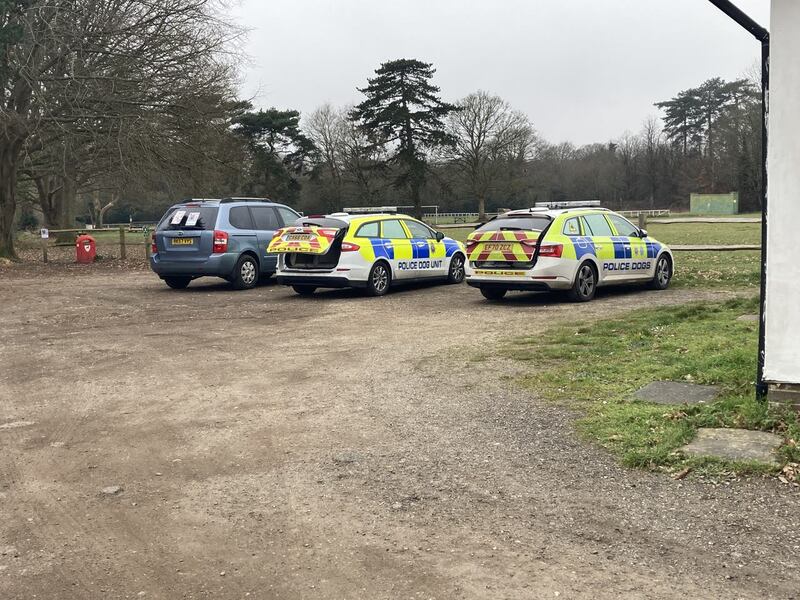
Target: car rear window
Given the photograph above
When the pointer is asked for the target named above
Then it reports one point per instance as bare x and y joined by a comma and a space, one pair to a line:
189, 217
320, 222
521, 223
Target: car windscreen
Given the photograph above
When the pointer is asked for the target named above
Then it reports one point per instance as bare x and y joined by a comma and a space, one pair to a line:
328, 222
521, 223
189, 217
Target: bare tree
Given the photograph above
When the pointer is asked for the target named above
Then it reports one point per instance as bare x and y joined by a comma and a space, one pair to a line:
89, 87
491, 138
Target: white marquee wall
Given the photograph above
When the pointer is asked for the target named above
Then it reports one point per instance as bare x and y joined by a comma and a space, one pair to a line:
782, 343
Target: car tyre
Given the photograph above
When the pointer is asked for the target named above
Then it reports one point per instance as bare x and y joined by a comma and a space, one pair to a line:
585, 285
245, 275
379, 280
304, 290
177, 283
493, 293
663, 274
456, 272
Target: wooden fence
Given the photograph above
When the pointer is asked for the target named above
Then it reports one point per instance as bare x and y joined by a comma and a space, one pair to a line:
128, 237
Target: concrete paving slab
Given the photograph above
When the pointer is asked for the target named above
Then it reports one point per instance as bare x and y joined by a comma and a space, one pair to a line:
677, 392
735, 444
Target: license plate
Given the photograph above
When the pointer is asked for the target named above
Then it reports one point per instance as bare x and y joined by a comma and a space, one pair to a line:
182, 241
298, 237
498, 247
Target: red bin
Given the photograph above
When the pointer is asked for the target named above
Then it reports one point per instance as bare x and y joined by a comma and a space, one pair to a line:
85, 249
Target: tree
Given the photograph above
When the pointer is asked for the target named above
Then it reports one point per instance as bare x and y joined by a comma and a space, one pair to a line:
347, 169
91, 87
491, 139
403, 113
279, 151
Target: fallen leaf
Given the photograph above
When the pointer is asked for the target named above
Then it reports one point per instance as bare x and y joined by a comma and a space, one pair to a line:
683, 473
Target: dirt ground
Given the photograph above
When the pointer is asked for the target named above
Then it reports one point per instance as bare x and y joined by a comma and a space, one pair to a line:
272, 446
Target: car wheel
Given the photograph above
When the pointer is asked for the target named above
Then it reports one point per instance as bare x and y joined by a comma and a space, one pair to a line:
380, 278
456, 272
177, 283
493, 293
585, 284
663, 273
304, 290
245, 275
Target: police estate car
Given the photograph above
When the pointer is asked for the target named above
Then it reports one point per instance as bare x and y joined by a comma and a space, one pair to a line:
370, 251
571, 249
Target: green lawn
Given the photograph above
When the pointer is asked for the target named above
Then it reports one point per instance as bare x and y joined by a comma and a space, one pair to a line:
706, 233
598, 367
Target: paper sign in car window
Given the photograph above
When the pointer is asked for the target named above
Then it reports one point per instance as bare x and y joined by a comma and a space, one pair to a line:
178, 217
191, 220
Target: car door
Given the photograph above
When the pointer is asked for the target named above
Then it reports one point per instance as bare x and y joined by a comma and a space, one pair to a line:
266, 223
397, 245
639, 266
427, 250
243, 232
608, 254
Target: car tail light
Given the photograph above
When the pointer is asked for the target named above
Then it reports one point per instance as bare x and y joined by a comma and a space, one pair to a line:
551, 250
220, 241
348, 247
471, 244
153, 247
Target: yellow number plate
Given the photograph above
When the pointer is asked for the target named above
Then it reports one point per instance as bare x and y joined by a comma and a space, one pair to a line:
182, 241
298, 237
497, 247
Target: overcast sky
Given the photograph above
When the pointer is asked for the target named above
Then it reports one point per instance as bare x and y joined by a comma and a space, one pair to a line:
583, 70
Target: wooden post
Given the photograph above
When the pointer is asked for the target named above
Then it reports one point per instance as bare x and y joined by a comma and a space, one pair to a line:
642, 220
44, 249
122, 252
146, 245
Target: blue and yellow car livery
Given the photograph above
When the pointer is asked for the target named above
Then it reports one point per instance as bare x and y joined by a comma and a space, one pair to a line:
370, 251
575, 250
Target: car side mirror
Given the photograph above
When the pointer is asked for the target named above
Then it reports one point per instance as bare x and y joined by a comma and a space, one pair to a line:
439, 236
643, 233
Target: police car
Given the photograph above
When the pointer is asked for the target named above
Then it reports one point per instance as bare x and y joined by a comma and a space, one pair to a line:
571, 248
370, 251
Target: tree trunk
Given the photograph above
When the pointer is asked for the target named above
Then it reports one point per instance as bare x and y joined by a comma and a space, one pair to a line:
8, 205
482, 208
57, 197
101, 215
415, 197
9, 157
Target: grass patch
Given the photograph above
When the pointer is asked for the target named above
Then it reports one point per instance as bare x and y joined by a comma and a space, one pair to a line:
706, 233
738, 270
599, 366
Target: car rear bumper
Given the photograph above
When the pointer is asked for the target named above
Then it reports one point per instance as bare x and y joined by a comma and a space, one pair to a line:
324, 281
547, 274
521, 286
216, 265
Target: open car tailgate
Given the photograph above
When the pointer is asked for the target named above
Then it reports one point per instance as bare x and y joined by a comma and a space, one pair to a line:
305, 240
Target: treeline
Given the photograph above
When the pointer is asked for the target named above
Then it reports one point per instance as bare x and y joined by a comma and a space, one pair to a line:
113, 109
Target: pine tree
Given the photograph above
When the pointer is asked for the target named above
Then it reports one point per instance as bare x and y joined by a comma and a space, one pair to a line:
403, 111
